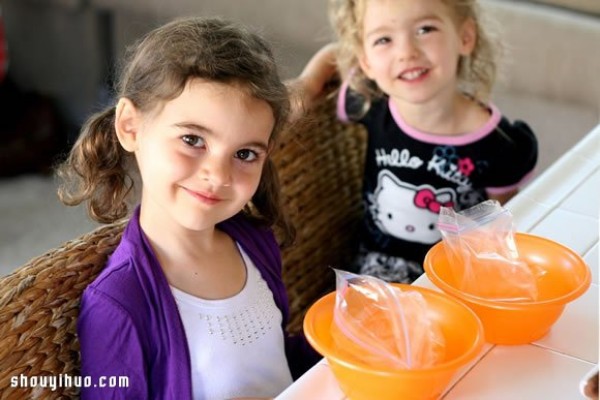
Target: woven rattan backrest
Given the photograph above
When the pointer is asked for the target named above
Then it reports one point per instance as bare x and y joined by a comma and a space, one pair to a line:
39, 304
320, 166
321, 170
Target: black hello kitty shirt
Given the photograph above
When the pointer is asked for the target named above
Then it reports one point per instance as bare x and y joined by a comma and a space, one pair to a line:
410, 174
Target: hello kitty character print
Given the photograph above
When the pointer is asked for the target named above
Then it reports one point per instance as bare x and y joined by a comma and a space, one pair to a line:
410, 174
406, 211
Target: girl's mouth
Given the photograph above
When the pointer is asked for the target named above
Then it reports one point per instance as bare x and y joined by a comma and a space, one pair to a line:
413, 74
204, 197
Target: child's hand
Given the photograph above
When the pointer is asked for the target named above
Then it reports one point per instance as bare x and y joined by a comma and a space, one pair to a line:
308, 87
504, 197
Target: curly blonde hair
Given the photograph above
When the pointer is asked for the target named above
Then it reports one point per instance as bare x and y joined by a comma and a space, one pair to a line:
99, 172
476, 73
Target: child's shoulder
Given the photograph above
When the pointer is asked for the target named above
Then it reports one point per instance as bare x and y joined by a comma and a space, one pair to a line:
119, 281
514, 127
516, 132
516, 140
127, 269
494, 125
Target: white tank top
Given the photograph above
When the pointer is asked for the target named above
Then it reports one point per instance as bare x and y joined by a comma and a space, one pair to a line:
236, 344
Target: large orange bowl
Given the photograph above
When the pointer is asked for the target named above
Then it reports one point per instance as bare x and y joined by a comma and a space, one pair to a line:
460, 327
566, 278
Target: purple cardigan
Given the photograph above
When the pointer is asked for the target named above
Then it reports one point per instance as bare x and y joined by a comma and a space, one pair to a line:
129, 324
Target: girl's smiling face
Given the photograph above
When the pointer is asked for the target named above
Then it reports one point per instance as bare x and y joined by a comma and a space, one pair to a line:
411, 48
200, 155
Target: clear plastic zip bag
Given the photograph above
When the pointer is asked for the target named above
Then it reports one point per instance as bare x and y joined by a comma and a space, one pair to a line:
482, 252
383, 326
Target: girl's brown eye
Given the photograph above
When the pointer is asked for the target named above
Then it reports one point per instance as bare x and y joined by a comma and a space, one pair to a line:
246, 155
193, 140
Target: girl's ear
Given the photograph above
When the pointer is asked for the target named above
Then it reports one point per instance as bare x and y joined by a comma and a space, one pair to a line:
127, 124
468, 37
364, 65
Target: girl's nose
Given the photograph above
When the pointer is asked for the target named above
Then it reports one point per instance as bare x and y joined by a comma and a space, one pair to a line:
217, 171
406, 48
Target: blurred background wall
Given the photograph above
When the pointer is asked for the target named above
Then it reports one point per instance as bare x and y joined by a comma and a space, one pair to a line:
63, 55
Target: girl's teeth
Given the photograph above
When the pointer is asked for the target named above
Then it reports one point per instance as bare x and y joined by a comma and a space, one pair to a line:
413, 74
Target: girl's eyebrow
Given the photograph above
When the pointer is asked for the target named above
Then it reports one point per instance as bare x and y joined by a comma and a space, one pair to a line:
260, 145
193, 127
389, 26
427, 17
377, 31
207, 131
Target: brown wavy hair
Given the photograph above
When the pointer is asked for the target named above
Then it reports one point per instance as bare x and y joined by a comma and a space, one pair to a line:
101, 173
476, 73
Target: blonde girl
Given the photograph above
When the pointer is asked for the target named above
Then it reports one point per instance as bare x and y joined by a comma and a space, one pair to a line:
418, 75
191, 304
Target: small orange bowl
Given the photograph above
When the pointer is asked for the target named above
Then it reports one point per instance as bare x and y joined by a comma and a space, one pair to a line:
566, 278
463, 335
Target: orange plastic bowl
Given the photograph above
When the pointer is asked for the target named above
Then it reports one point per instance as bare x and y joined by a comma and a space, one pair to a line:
463, 336
567, 277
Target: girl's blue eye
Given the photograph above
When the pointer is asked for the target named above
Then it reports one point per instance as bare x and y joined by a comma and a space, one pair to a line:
246, 155
382, 40
193, 140
425, 29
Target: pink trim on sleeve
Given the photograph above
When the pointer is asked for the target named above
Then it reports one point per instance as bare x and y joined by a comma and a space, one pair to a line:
462, 139
510, 188
341, 102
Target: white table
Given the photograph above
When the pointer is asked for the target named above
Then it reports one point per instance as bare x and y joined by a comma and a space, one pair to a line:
562, 204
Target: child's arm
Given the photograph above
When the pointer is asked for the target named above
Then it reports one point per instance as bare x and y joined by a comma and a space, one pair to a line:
110, 347
319, 70
300, 354
518, 140
504, 197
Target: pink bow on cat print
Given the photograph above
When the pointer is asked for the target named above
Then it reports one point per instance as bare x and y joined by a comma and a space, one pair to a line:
425, 198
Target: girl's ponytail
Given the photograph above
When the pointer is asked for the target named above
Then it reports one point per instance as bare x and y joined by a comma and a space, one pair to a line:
96, 170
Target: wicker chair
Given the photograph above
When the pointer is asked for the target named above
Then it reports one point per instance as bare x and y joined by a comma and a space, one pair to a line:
320, 166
